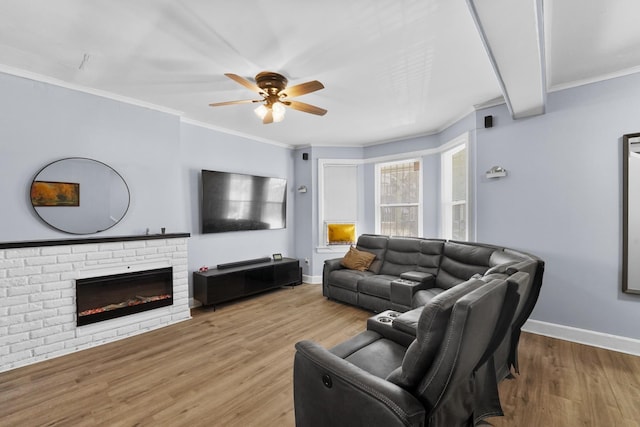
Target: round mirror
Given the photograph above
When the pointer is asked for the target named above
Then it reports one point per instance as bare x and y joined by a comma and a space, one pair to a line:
79, 196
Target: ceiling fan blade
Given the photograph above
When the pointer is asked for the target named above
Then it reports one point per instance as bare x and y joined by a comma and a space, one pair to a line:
307, 108
268, 118
246, 101
302, 89
244, 82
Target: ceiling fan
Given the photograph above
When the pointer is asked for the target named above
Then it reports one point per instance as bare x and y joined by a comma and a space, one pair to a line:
275, 95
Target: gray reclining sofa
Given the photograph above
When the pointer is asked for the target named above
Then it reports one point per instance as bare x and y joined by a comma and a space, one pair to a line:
404, 266
413, 277
377, 379
408, 272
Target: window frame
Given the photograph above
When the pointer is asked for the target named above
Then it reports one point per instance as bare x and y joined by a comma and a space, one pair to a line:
379, 205
324, 166
446, 190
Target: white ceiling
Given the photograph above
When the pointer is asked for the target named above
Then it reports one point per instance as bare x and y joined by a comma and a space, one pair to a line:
392, 69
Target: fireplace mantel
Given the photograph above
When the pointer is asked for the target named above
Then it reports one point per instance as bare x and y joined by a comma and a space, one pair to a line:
88, 240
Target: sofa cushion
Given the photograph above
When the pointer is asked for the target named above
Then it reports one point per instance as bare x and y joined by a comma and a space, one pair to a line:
375, 266
353, 344
343, 295
347, 279
499, 257
379, 358
460, 262
373, 243
492, 276
372, 352
401, 255
421, 298
376, 245
377, 285
375, 303
357, 260
529, 266
500, 268
430, 254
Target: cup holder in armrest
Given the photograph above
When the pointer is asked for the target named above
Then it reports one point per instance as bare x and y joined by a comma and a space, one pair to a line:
383, 324
387, 317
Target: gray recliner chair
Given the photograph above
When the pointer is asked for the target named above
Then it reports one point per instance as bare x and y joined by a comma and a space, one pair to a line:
372, 380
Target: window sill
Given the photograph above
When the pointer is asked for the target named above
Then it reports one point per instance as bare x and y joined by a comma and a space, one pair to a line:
333, 249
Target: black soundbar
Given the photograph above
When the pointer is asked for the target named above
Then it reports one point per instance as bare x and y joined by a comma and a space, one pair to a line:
241, 263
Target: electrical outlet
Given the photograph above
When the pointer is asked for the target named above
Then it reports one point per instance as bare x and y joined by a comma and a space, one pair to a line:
306, 260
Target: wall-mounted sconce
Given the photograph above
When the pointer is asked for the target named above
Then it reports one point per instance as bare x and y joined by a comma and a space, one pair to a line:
302, 189
496, 172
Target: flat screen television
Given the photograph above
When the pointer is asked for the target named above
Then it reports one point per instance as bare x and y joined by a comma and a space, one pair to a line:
239, 202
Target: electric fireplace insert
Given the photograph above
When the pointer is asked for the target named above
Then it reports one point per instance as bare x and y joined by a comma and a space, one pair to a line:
109, 297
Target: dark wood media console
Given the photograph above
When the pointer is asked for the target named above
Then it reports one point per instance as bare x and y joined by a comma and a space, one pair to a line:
221, 285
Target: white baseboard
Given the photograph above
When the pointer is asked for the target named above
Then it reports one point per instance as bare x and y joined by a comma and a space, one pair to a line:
314, 280
584, 336
567, 333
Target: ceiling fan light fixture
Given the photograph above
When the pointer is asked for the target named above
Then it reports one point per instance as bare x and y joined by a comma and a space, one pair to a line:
271, 86
261, 111
278, 111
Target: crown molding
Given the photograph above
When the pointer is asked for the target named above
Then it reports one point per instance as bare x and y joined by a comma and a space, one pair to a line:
209, 126
597, 79
84, 89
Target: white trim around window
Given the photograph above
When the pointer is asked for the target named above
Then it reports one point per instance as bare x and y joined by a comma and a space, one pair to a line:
448, 204
418, 203
338, 200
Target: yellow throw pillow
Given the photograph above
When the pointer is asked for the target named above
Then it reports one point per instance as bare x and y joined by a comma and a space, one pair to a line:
341, 234
357, 260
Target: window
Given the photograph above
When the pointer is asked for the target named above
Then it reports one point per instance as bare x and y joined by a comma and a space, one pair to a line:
454, 193
399, 198
338, 204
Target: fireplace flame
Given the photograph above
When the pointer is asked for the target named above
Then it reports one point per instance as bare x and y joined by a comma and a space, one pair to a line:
131, 302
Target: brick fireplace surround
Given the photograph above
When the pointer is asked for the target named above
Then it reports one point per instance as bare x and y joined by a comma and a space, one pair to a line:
37, 293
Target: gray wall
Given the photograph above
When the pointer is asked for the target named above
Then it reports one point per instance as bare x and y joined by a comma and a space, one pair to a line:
41, 123
159, 157
304, 207
203, 148
562, 200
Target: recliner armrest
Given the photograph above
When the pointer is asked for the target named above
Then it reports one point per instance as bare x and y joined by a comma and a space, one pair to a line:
407, 322
419, 276
329, 266
329, 391
333, 264
403, 289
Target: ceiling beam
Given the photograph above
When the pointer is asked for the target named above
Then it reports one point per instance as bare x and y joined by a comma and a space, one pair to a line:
512, 32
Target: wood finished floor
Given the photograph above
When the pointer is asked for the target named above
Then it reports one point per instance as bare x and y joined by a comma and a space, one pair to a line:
233, 367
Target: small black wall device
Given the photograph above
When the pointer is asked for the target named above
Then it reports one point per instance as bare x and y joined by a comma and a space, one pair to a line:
488, 122
305, 156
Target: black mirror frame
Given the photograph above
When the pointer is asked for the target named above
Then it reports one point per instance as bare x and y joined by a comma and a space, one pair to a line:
126, 186
626, 229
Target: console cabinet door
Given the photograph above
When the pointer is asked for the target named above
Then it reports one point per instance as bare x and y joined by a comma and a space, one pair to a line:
225, 287
287, 273
258, 279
